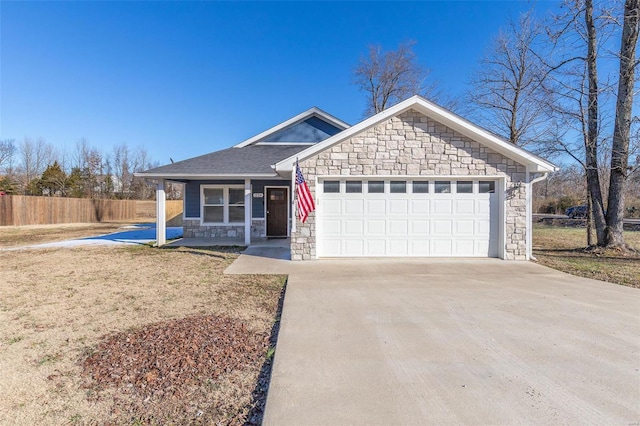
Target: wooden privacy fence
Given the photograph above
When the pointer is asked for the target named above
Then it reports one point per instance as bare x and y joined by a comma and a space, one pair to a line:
20, 210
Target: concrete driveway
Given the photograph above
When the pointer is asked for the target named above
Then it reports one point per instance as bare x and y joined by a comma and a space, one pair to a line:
453, 342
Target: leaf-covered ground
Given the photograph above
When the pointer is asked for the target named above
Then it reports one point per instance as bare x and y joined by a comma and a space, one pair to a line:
167, 371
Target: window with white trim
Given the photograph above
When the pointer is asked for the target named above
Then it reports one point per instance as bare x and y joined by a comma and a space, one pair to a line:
222, 204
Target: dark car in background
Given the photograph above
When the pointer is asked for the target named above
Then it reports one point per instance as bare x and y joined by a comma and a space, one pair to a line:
576, 212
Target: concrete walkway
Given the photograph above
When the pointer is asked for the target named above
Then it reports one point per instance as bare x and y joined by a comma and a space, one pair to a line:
395, 342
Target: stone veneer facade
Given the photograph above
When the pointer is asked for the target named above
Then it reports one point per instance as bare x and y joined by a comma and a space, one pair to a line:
193, 229
411, 144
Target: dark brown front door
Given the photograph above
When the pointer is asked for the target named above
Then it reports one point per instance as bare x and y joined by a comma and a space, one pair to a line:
277, 212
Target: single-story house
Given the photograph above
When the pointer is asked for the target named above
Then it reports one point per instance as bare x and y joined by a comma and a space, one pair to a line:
413, 180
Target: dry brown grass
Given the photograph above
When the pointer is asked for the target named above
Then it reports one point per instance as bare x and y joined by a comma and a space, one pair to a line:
564, 249
57, 305
15, 236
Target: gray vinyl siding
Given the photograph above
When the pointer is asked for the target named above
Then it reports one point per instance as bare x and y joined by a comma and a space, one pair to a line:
192, 194
257, 186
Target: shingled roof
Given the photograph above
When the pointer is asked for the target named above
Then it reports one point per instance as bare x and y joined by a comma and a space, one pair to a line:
252, 160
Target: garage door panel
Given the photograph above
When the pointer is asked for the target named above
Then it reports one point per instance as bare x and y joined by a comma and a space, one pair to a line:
419, 247
376, 207
441, 247
376, 247
420, 227
483, 227
376, 227
331, 227
420, 207
465, 207
353, 247
464, 247
482, 248
407, 224
442, 207
398, 247
331, 247
464, 227
354, 207
330, 207
398, 206
354, 227
442, 227
398, 227
483, 206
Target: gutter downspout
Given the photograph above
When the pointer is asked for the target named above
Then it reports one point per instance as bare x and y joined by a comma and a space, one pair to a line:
530, 212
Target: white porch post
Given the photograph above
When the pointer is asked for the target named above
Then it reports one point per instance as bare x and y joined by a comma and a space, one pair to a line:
247, 212
529, 214
161, 220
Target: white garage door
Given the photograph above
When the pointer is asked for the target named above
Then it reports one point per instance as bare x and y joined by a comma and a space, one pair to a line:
407, 218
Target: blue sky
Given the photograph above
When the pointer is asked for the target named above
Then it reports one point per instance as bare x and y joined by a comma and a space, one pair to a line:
187, 78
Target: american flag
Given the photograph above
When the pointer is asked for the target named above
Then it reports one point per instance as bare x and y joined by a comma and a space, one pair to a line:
305, 200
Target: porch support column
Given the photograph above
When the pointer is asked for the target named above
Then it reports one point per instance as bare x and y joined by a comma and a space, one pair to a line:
529, 215
161, 223
247, 212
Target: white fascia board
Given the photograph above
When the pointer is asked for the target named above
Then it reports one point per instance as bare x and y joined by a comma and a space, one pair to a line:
439, 115
295, 120
178, 176
285, 143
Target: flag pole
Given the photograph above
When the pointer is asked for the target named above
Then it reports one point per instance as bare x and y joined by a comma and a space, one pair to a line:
294, 214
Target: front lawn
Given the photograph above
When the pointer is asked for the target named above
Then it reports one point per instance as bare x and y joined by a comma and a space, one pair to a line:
564, 249
133, 335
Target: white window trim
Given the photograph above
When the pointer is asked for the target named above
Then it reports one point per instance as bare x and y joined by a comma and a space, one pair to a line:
225, 205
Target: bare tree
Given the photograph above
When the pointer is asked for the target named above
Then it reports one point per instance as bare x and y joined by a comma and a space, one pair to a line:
7, 151
142, 161
123, 170
390, 77
89, 169
507, 86
622, 126
576, 91
34, 157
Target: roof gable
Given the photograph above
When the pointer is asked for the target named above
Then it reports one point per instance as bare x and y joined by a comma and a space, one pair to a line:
439, 114
309, 127
311, 130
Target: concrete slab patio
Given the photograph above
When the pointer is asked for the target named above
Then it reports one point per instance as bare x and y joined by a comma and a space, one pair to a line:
406, 342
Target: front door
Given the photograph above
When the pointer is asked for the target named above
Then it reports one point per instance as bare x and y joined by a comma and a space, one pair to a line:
277, 212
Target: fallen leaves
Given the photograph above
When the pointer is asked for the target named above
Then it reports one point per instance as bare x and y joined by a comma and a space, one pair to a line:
161, 364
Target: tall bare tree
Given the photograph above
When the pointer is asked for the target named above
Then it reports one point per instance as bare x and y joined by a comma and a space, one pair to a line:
622, 124
507, 86
583, 96
389, 77
575, 95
